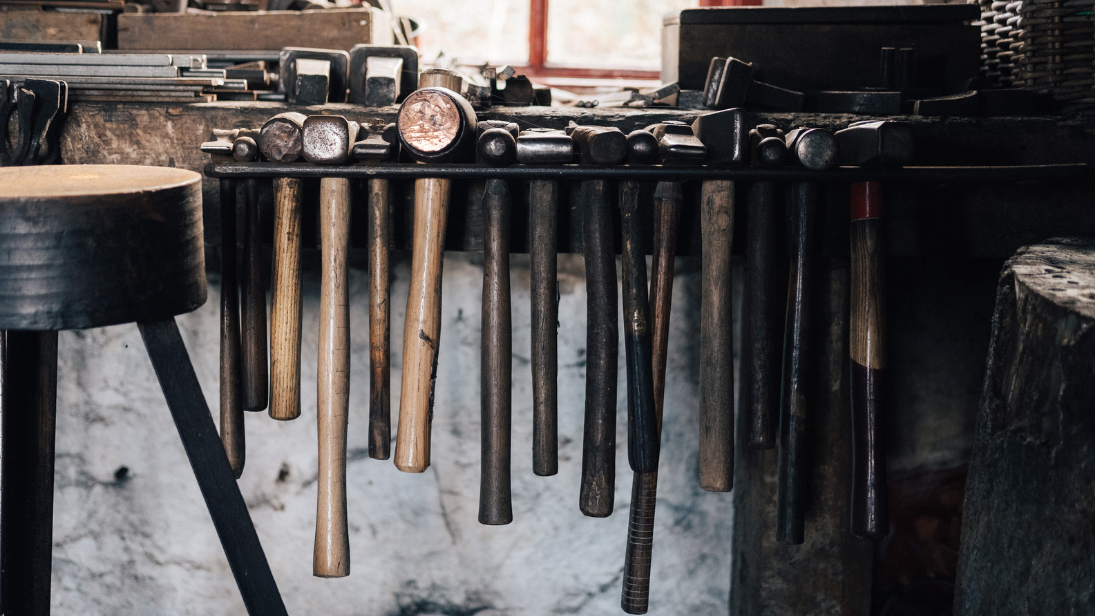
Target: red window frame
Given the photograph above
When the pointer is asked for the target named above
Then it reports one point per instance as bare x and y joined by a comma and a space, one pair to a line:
538, 65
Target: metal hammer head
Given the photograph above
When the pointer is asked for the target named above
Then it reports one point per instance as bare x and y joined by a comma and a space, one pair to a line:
600, 145
767, 147
538, 146
436, 125
220, 142
677, 143
725, 136
327, 139
281, 139
642, 147
496, 147
813, 148
287, 69
359, 56
380, 142
882, 143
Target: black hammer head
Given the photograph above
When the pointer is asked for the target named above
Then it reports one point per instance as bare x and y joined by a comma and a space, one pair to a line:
600, 145
813, 148
725, 135
677, 143
538, 146
496, 147
882, 143
767, 147
642, 147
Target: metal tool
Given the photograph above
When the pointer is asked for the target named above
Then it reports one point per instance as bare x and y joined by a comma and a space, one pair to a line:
393, 70
338, 72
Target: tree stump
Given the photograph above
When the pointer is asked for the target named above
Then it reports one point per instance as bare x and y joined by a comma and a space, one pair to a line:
1028, 542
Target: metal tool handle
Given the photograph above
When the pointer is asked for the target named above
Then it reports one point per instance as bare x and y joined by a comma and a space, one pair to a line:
231, 424
331, 557
870, 518
716, 461
256, 375
602, 340
642, 433
380, 414
422, 331
765, 285
544, 294
797, 357
497, 357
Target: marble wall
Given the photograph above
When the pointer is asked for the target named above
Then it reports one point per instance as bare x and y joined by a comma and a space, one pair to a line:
132, 535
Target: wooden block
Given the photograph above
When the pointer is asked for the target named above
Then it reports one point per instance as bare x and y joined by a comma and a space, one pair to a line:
337, 28
50, 26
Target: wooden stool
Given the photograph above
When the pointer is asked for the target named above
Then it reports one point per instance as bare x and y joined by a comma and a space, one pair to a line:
88, 246
1028, 544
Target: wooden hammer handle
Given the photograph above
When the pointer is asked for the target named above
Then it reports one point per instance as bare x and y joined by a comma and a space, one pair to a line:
331, 557
497, 358
253, 288
870, 518
422, 331
231, 425
797, 358
602, 342
544, 294
380, 414
642, 434
286, 303
716, 460
668, 200
764, 309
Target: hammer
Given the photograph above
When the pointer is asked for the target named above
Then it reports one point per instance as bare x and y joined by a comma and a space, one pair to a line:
599, 145
812, 148
497, 147
327, 140
281, 140
877, 144
256, 378
435, 125
538, 147
379, 145
763, 286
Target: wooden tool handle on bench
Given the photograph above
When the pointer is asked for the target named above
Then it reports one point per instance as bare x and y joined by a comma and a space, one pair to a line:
286, 302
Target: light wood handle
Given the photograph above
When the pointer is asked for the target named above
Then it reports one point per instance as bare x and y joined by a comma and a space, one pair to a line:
380, 414
764, 305
544, 294
331, 557
716, 462
286, 303
231, 425
797, 375
256, 377
495, 505
867, 326
422, 331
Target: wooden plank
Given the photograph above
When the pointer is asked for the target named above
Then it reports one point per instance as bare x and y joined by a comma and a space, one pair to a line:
36, 26
336, 28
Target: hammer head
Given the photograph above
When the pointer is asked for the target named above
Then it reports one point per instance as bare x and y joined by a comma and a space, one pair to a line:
327, 139
381, 142
767, 147
538, 146
642, 147
359, 57
436, 125
220, 142
287, 69
496, 147
728, 82
677, 143
600, 145
813, 148
281, 139
882, 143
725, 136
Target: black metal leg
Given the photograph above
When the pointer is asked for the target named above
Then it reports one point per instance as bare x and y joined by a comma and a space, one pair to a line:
28, 410
211, 468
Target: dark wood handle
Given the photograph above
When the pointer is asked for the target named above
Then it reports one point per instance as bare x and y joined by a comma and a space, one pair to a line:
380, 414
764, 309
497, 356
544, 292
285, 304
422, 329
668, 200
797, 356
256, 376
602, 341
331, 556
231, 425
716, 462
870, 518
642, 426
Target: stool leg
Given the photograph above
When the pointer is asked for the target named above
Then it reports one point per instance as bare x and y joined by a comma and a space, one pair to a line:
211, 469
28, 404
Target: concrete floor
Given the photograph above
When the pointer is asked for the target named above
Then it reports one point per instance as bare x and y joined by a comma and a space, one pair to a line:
132, 535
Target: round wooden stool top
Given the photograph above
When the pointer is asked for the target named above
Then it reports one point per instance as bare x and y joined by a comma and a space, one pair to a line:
92, 245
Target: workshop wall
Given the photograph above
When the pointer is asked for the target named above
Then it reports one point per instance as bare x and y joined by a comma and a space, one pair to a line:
132, 534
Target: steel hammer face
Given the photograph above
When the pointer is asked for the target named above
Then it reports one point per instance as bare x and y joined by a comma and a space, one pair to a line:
327, 139
881, 143
287, 78
725, 136
539, 146
600, 145
767, 147
813, 148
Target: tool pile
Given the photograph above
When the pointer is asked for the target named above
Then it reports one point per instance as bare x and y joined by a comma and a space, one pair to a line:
437, 125
40, 107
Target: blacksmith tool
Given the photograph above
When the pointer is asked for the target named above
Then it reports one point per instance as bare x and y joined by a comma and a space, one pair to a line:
327, 141
599, 145
7, 106
537, 147
335, 83
730, 84
869, 144
382, 75
25, 103
815, 149
256, 376
435, 125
